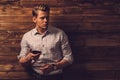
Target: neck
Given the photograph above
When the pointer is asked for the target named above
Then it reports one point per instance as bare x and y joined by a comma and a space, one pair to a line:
41, 30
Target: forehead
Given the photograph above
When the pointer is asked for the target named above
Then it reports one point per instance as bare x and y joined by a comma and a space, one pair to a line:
42, 13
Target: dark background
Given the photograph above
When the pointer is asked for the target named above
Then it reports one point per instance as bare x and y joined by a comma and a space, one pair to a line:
93, 28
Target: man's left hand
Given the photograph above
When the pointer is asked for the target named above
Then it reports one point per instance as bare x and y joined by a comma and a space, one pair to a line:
47, 68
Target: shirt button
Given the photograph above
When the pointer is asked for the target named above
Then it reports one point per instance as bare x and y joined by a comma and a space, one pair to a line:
43, 54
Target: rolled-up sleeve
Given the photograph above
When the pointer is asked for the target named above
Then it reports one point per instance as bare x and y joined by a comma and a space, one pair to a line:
66, 49
24, 48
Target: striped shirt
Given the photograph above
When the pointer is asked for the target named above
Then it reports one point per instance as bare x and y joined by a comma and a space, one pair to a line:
53, 44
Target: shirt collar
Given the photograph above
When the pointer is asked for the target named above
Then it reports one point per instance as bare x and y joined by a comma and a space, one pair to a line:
35, 32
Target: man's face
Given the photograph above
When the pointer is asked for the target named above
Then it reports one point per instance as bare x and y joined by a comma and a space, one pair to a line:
41, 20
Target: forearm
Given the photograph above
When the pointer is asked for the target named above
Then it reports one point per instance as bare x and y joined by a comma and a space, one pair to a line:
61, 64
25, 59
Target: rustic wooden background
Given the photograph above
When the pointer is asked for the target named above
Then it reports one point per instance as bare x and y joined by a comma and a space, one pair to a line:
93, 28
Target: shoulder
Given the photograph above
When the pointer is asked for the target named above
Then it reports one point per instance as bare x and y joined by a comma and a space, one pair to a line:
56, 30
29, 33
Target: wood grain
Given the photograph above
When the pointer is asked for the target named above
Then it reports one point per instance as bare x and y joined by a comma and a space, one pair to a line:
92, 26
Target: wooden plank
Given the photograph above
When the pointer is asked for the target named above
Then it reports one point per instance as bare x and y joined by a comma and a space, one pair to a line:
102, 75
97, 55
9, 51
101, 51
62, 18
98, 59
11, 43
95, 39
8, 59
14, 75
101, 19
93, 11
100, 66
117, 74
11, 67
10, 27
15, 19
83, 73
98, 11
53, 3
66, 2
103, 66
105, 26
102, 42
27, 2
106, 10
87, 27
5, 36
68, 27
16, 11
65, 18
7, 67
28, 11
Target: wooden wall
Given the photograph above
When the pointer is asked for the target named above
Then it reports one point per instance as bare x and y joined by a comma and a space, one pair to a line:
93, 28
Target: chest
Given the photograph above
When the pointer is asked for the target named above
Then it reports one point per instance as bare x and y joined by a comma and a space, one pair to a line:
39, 42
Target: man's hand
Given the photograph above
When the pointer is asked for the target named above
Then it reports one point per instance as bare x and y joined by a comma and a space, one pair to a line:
29, 57
47, 68
34, 56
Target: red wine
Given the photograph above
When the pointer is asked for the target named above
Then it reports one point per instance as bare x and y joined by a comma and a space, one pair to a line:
35, 52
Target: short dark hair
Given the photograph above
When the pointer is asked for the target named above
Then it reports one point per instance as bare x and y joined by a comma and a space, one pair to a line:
42, 7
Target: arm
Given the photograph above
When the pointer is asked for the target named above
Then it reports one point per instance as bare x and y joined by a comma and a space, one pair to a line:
24, 55
67, 53
28, 58
25, 59
61, 64
50, 67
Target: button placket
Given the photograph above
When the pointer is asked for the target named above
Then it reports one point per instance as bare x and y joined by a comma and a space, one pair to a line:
43, 45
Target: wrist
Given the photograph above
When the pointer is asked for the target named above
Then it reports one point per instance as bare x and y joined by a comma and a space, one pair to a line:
28, 57
54, 66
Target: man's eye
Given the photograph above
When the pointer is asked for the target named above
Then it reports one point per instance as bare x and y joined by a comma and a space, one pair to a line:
42, 18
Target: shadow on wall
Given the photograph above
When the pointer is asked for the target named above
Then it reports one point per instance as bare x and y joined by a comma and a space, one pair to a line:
76, 71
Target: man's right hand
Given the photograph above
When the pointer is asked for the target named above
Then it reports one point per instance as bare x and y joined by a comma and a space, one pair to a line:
29, 57
34, 56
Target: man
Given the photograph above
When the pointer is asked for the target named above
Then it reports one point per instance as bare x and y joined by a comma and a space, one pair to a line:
50, 44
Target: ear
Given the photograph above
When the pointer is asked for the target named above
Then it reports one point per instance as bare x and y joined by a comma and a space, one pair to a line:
34, 19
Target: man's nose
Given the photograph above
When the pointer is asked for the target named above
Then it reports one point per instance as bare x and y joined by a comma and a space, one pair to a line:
45, 19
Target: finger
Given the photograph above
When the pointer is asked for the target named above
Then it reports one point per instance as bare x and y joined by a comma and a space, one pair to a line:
32, 57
